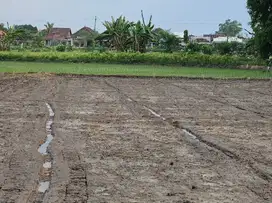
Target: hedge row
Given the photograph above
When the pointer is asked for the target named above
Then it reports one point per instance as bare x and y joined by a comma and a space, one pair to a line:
178, 59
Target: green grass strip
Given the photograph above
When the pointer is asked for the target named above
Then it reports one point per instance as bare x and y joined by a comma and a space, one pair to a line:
129, 70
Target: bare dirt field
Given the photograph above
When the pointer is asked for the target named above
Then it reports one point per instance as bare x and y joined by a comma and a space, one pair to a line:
134, 140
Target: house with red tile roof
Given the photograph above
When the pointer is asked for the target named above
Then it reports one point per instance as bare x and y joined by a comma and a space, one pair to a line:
59, 36
84, 37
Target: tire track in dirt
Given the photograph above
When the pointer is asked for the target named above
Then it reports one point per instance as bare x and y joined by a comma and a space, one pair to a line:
256, 91
175, 124
24, 94
260, 173
76, 190
262, 115
69, 180
12, 84
75, 184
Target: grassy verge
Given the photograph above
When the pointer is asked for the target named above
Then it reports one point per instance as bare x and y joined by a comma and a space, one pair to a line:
174, 59
129, 70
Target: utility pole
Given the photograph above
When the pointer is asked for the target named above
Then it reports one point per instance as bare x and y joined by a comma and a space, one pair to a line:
95, 19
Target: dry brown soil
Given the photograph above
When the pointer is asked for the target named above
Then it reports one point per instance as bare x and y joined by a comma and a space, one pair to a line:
136, 140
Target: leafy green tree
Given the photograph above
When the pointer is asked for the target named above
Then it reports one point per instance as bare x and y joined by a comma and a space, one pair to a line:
42, 33
186, 36
2, 26
157, 31
168, 41
270, 61
9, 38
48, 26
29, 28
38, 40
28, 32
251, 48
261, 23
157, 38
193, 47
207, 49
230, 28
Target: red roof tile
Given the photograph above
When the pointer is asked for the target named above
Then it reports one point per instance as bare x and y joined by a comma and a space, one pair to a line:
87, 29
59, 34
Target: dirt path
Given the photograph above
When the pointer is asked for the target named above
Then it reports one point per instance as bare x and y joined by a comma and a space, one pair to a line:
129, 140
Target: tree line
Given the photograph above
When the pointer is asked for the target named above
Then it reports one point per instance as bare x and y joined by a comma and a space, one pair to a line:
18, 34
120, 34
123, 35
261, 23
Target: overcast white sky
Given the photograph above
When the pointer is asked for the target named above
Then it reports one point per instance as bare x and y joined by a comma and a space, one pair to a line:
198, 16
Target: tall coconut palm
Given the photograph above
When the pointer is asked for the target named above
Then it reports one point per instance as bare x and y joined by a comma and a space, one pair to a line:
48, 26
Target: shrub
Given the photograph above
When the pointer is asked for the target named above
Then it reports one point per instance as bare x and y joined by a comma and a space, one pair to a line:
207, 49
61, 48
269, 61
193, 47
35, 49
223, 48
69, 48
178, 59
227, 48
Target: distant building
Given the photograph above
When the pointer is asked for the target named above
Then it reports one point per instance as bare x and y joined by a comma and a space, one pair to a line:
83, 37
59, 36
226, 39
199, 39
212, 36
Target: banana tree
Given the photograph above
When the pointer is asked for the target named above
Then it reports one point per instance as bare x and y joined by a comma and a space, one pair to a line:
142, 34
117, 33
10, 36
124, 35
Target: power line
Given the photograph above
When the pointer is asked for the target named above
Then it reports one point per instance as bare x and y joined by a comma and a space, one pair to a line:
163, 21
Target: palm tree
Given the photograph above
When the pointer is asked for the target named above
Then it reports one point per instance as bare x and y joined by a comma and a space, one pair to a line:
48, 26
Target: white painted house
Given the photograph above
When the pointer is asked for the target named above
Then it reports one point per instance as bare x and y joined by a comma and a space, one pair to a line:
226, 39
